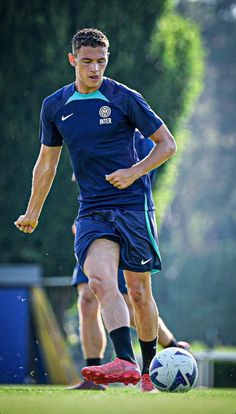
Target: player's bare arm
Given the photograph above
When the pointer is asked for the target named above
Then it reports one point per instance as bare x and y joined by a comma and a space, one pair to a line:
43, 175
165, 147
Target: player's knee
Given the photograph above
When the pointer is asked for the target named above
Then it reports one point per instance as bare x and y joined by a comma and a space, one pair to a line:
137, 295
97, 285
102, 286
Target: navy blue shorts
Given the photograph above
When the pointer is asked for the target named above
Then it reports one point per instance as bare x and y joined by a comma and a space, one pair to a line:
135, 231
79, 277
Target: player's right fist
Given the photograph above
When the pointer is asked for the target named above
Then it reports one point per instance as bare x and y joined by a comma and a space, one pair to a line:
26, 224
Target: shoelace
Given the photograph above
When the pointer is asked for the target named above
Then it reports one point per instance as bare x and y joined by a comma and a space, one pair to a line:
117, 364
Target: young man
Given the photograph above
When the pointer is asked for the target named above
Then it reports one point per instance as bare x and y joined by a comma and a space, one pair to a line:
97, 118
92, 333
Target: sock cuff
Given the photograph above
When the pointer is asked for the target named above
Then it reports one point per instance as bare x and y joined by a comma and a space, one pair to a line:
147, 343
122, 329
93, 361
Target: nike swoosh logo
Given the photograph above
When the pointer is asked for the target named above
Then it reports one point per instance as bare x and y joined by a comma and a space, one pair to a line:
64, 117
143, 262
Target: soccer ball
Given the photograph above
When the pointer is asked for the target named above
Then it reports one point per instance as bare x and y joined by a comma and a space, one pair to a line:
173, 370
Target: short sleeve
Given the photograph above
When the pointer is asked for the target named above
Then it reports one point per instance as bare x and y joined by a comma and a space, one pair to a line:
48, 133
141, 115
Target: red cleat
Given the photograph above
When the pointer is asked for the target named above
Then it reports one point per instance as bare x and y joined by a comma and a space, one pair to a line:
87, 385
183, 345
146, 384
118, 370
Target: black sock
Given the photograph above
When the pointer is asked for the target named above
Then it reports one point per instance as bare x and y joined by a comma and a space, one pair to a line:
148, 350
93, 361
173, 342
122, 343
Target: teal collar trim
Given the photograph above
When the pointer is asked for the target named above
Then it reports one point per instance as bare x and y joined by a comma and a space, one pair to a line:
77, 96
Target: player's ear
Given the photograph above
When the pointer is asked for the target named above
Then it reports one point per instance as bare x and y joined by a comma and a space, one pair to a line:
72, 59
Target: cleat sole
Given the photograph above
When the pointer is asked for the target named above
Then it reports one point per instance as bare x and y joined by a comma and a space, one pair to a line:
106, 379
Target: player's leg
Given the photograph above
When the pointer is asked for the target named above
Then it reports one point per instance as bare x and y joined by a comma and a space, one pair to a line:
143, 303
92, 332
165, 335
145, 384
130, 308
167, 339
101, 267
123, 289
139, 255
146, 319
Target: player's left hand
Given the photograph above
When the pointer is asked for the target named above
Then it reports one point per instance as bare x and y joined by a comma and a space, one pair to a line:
122, 178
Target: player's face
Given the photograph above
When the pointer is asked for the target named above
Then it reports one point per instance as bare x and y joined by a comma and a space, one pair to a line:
90, 64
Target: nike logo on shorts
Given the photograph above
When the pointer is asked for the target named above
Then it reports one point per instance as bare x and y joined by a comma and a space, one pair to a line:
64, 117
143, 262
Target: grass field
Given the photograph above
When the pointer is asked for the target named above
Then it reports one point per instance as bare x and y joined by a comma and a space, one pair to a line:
58, 400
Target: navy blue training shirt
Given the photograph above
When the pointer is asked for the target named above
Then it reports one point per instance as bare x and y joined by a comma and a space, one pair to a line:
143, 147
99, 130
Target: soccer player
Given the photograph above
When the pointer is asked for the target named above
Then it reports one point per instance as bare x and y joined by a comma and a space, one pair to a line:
97, 117
92, 333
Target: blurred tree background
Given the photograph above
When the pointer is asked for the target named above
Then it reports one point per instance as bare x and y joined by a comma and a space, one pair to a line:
197, 292
159, 52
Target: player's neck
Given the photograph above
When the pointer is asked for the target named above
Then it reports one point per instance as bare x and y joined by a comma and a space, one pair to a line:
86, 89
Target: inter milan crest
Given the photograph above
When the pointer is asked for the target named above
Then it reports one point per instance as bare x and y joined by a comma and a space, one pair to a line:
104, 113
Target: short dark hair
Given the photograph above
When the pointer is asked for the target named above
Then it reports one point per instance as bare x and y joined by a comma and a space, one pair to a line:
89, 37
